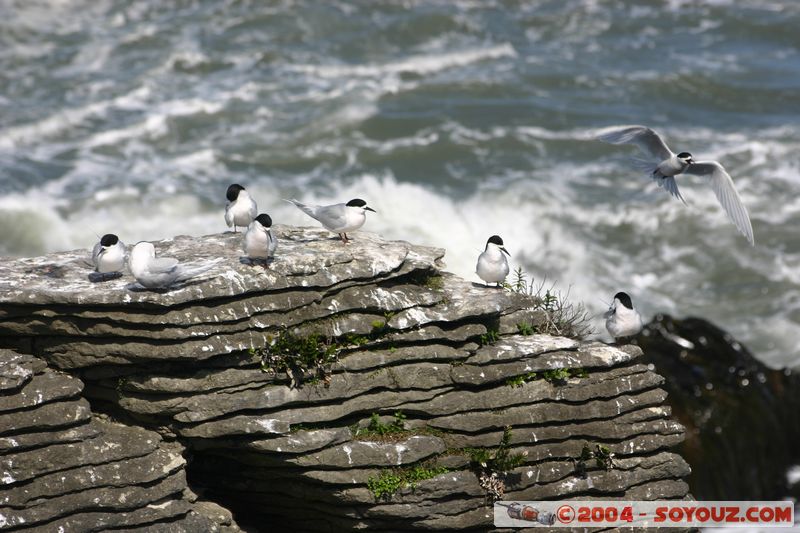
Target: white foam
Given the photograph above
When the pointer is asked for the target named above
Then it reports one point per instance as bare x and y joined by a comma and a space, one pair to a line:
420, 64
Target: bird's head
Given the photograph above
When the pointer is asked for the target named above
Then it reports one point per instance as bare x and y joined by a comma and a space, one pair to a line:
686, 157
359, 204
624, 299
233, 192
497, 242
265, 220
108, 240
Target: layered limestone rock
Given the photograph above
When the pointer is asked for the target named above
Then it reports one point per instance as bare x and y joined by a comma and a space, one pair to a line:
63, 469
439, 361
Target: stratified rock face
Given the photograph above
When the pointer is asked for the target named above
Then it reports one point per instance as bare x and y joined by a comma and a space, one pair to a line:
743, 426
61, 469
409, 338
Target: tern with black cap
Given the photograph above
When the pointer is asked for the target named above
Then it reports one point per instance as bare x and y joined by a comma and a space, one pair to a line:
259, 242
108, 255
338, 218
492, 265
622, 319
662, 164
241, 209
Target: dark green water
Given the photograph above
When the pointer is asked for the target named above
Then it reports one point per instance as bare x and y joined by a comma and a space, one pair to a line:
455, 120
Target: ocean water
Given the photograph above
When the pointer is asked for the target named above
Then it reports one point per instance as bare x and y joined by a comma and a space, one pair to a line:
454, 119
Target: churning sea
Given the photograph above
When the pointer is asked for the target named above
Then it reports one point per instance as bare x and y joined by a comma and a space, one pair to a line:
454, 119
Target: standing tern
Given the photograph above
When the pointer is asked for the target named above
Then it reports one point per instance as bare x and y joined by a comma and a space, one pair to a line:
241, 209
259, 243
492, 265
338, 218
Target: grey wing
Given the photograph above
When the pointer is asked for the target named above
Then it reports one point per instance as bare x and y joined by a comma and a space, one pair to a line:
228, 215
333, 216
159, 265
646, 139
722, 185
96, 253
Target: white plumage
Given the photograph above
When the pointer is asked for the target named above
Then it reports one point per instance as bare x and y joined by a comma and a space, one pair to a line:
162, 272
663, 165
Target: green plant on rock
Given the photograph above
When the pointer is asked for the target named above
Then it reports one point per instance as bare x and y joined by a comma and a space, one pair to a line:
493, 465
524, 328
435, 282
519, 381
490, 337
378, 428
559, 376
562, 317
301, 358
602, 455
390, 480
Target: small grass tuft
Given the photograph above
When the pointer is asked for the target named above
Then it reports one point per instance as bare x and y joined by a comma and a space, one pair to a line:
602, 455
389, 481
524, 328
490, 337
519, 381
563, 317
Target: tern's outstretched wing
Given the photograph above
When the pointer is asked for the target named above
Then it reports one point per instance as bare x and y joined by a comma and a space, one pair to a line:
722, 185
646, 139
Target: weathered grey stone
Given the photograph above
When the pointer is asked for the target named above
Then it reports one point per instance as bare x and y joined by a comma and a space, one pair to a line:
125, 498
301, 441
382, 358
172, 512
34, 463
144, 469
596, 385
462, 300
306, 415
517, 347
47, 416
41, 389
48, 436
474, 422
469, 374
238, 425
622, 427
358, 454
16, 370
